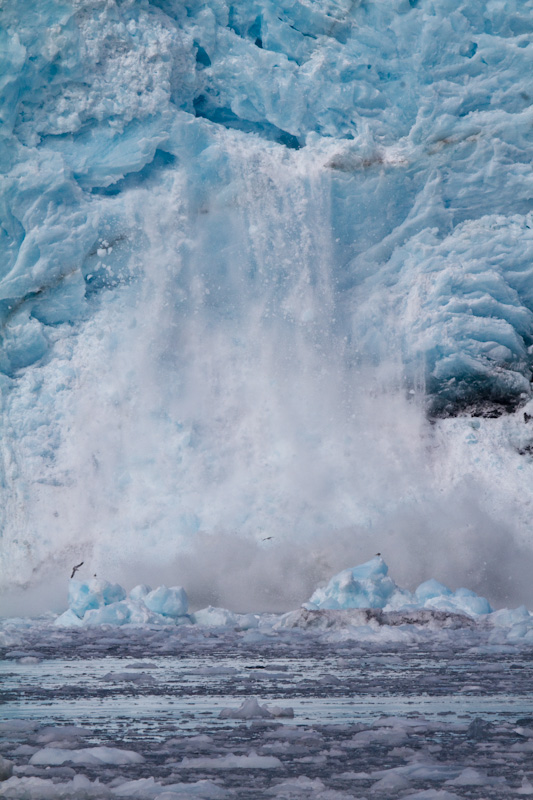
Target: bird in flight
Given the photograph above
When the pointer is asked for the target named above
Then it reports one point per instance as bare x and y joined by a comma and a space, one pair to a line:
76, 568
267, 538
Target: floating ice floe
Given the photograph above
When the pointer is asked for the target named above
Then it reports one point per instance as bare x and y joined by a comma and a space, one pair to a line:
252, 709
369, 586
53, 756
6, 768
98, 602
364, 597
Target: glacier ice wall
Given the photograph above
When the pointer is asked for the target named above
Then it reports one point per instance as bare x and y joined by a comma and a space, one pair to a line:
245, 250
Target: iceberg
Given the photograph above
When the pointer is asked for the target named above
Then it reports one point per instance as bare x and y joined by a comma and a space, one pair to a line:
93, 594
365, 586
171, 602
369, 586
98, 602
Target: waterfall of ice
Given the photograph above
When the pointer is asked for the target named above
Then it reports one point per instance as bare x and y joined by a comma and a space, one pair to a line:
249, 251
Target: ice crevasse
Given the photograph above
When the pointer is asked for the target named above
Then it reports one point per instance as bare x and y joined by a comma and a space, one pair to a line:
216, 221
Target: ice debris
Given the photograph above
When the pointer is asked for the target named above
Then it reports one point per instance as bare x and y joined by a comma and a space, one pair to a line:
252, 709
6, 768
362, 597
222, 618
369, 586
53, 756
98, 602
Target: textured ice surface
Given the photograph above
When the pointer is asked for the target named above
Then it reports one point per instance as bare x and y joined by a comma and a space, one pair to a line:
362, 603
233, 237
99, 602
94, 594
369, 586
252, 709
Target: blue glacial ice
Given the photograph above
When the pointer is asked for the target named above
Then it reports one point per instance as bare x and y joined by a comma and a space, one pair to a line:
84, 596
366, 586
369, 586
244, 249
98, 602
105, 105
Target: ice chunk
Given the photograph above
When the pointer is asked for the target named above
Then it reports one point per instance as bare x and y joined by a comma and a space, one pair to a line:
300, 787
430, 589
369, 587
30, 788
250, 761
216, 617
526, 787
139, 592
473, 777
280, 711
98, 602
85, 596
391, 783
365, 586
507, 617
68, 620
171, 602
223, 618
61, 732
148, 788
462, 601
6, 768
52, 756
249, 709
112, 614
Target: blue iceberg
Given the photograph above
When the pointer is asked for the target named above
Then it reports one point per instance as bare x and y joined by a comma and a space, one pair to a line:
93, 594
98, 602
368, 586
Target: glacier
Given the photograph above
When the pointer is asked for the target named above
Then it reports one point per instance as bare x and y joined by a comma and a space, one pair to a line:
266, 294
